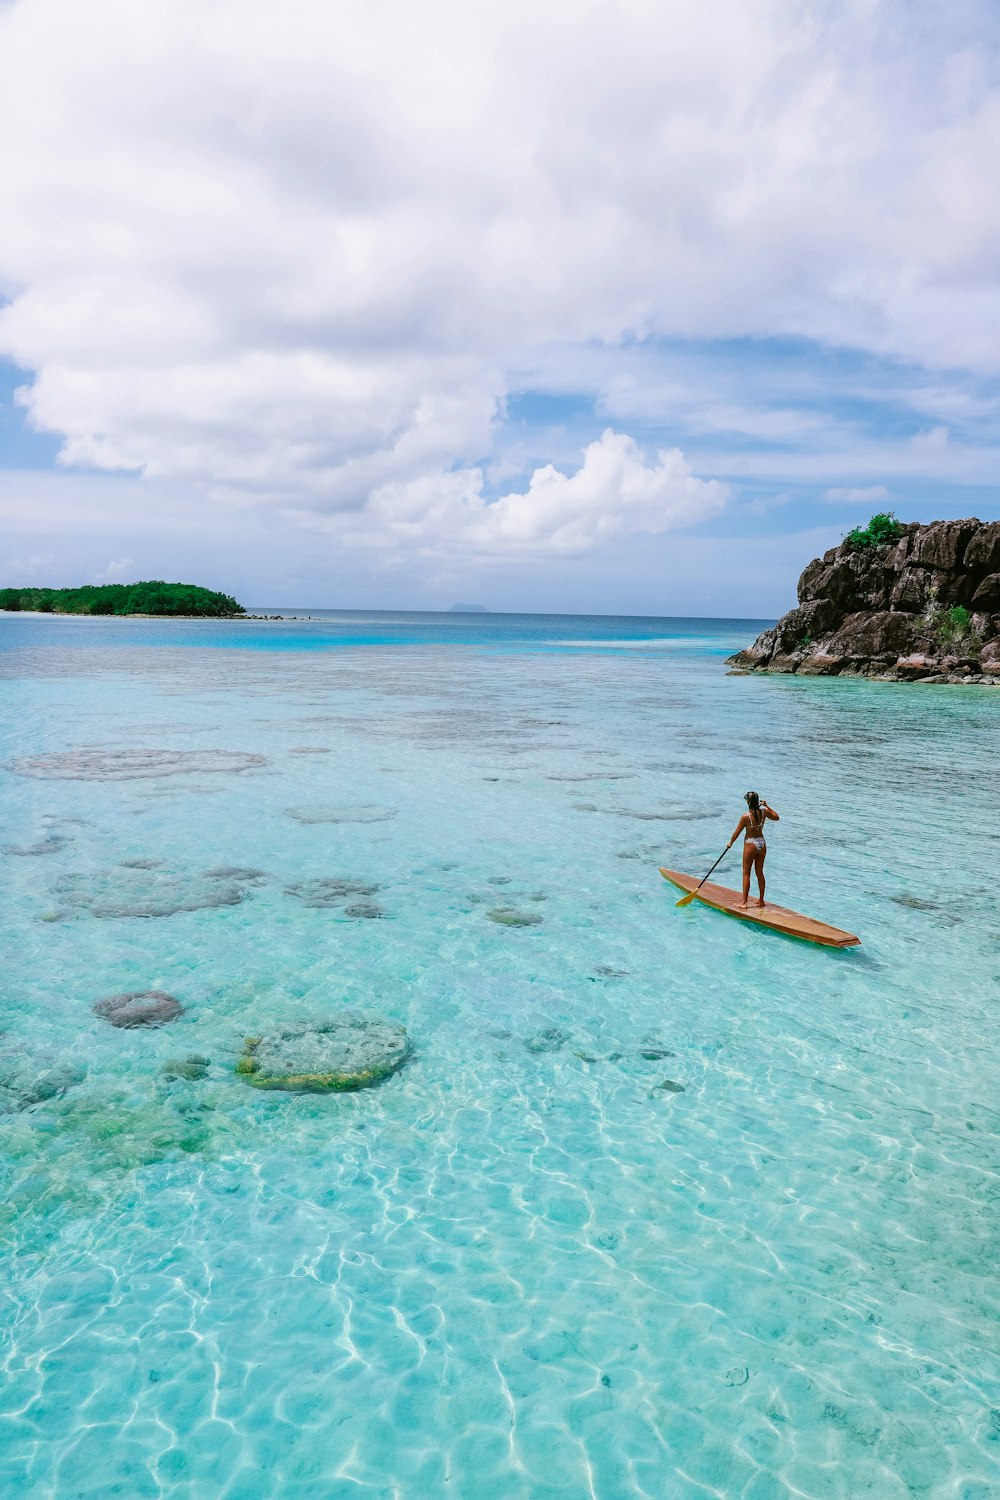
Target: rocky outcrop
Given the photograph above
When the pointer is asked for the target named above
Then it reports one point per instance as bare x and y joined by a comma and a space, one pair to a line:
925, 607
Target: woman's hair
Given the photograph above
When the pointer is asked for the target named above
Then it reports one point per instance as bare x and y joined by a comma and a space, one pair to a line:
752, 801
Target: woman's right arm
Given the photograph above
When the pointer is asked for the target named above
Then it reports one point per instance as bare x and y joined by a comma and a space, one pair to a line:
769, 812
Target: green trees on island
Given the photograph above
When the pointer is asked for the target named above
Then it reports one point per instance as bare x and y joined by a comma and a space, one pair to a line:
880, 531
150, 598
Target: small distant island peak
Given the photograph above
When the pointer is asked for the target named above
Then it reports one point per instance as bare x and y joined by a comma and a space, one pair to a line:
469, 609
153, 597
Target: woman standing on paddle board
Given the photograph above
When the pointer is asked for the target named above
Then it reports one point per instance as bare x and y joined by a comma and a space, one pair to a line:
754, 844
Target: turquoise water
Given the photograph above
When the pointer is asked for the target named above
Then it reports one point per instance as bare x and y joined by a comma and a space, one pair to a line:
759, 1262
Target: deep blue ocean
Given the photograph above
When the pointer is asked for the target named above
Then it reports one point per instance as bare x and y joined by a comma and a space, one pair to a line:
661, 1205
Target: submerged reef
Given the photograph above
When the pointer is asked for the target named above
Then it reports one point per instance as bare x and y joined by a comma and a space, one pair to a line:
367, 812
51, 844
666, 815
190, 1069
132, 765
139, 1008
508, 916
549, 1040
69, 1157
326, 892
133, 892
349, 1052
895, 602
28, 1077
555, 1038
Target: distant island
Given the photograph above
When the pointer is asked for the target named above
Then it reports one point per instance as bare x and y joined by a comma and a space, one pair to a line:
916, 603
469, 609
150, 598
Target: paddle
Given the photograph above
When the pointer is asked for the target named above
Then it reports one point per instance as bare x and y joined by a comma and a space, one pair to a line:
686, 900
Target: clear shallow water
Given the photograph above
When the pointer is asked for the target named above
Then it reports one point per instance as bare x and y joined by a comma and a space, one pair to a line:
506, 1272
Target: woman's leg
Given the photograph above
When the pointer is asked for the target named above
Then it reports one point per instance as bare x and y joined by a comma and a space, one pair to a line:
759, 856
747, 867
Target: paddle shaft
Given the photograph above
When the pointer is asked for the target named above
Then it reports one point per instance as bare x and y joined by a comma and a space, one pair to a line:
691, 894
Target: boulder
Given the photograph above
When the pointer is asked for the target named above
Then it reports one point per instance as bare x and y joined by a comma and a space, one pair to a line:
896, 556
821, 665
864, 636
139, 1008
909, 668
814, 579
841, 584
911, 589
942, 544
944, 588
761, 651
807, 623
348, 1052
861, 580
983, 552
989, 655
987, 595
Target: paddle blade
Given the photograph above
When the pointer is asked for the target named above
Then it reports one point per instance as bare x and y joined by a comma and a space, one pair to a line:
685, 900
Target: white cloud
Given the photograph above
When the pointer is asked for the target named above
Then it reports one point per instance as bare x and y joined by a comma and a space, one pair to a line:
930, 443
115, 568
865, 494
614, 493
284, 257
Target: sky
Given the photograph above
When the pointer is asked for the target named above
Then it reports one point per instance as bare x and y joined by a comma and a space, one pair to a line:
591, 307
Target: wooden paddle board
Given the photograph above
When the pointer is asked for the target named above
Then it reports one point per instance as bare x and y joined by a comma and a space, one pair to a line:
778, 918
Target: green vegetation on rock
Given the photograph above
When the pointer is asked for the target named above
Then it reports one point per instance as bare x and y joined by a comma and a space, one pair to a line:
151, 598
953, 627
881, 530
